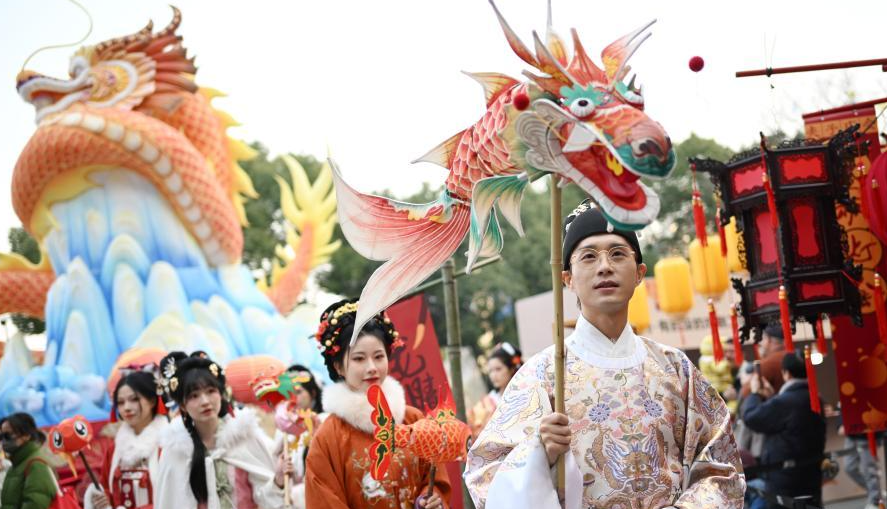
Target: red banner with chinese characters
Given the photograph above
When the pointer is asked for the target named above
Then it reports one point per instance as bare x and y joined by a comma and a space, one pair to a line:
419, 367
861, 359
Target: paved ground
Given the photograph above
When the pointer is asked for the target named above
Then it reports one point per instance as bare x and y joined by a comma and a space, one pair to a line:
858, 503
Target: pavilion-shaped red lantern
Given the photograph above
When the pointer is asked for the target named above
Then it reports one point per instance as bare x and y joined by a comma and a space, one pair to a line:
803, 248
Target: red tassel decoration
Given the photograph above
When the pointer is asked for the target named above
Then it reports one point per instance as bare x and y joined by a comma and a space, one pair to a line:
716, 347
873, 444
811, 381
820, 337
722, 234
699, 218
737, 342
161, 406
786, 320
880, 312
771, 203
113, 414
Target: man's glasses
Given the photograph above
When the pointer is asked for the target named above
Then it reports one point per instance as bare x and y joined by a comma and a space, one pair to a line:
616, 256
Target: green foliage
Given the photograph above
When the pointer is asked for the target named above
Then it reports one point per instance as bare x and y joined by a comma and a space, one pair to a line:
21, 242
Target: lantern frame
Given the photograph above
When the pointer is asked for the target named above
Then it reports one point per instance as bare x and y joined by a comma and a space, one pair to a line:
808, 178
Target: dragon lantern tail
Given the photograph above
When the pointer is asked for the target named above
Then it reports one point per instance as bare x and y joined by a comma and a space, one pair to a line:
24, 285
310, 212
414, 240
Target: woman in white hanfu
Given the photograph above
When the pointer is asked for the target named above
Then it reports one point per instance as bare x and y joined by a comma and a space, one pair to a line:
643, 429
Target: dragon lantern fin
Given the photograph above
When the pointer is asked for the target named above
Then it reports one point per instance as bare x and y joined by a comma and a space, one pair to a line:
383, 434
485, 237
414, 239
494, 84
442, 155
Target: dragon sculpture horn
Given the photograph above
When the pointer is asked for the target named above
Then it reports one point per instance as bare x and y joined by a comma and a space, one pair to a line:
125, 40
173, 24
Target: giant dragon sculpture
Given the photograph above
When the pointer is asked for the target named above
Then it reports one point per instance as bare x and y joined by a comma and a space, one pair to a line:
132, 187
575, 120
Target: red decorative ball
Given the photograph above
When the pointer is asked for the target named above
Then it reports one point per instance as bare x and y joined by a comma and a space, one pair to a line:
696, 64
521, 101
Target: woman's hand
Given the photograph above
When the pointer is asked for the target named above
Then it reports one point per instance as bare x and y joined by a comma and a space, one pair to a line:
100, 500
432, 502
284, 469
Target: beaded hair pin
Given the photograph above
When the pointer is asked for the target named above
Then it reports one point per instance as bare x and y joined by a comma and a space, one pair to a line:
170, 380
329, 347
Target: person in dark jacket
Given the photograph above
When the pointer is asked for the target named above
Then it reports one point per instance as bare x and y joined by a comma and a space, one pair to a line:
29, 483
795, 435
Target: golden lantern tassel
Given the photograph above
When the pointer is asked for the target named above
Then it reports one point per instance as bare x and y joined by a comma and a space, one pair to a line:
811, 381
717, 348
880, 312
786, 320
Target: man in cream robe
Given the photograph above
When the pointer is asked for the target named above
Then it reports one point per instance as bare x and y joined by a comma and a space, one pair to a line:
645, 429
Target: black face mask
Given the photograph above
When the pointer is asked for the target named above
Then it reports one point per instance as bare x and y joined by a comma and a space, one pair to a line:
10, 446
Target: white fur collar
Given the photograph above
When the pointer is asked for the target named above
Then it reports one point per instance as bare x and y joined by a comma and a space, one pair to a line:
232, 431
132, 449
353, 407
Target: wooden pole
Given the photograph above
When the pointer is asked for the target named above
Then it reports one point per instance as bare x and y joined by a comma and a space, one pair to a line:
815, 67
557, 291
454, 350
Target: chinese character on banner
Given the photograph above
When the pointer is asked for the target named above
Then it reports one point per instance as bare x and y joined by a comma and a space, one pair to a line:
419, 368
860, 357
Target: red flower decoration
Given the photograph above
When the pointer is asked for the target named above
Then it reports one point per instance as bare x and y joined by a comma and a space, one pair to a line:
696, 63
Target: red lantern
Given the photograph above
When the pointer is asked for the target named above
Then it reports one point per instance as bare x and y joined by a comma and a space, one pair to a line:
874, 194
241, 372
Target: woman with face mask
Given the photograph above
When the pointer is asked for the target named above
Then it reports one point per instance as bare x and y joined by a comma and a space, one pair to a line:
338, 465
212, 459
131, 465
29, 482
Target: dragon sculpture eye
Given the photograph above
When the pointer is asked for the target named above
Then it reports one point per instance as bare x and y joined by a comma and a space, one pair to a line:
57, 440
633, 97
581, 107
81, 429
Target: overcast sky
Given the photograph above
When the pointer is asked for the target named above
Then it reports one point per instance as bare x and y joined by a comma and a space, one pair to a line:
379, 82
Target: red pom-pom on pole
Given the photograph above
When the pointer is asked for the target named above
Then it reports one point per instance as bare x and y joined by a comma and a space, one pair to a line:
521, 101
699, 218
820, 337
880, 312
696, 63
786, 320
716, 347
737, 342
811, 381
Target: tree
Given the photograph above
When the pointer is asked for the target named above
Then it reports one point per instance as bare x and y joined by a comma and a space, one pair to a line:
21, 242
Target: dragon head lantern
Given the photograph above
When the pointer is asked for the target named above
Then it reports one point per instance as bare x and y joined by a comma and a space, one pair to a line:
577, 121
588, 124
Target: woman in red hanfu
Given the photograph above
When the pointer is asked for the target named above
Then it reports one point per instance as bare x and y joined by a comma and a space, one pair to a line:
130, 464
338, 468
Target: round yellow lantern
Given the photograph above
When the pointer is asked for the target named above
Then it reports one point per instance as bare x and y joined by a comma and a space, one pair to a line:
674, 290
709, 269
639, 309
734, 263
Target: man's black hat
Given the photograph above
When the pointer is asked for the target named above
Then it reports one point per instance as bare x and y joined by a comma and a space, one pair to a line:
587, 220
